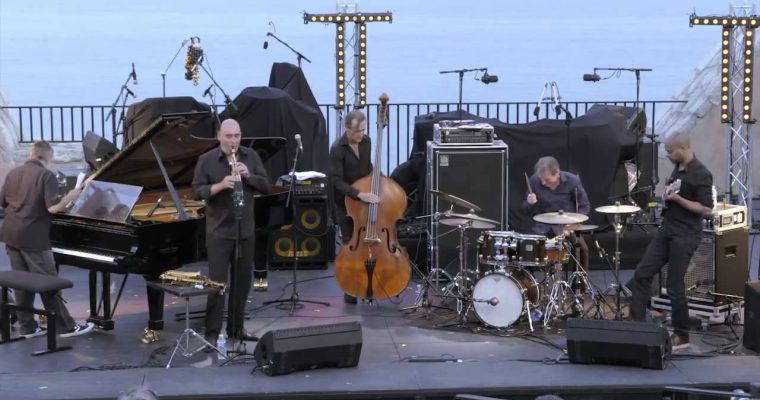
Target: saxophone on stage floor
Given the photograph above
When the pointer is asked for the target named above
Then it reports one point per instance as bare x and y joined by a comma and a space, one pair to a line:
190, 278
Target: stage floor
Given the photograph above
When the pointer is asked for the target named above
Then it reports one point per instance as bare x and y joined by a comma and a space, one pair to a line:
518, 365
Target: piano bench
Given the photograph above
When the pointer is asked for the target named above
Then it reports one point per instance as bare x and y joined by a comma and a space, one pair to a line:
33, 283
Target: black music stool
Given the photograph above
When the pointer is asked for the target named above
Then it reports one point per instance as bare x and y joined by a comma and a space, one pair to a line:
33, 283
183, 340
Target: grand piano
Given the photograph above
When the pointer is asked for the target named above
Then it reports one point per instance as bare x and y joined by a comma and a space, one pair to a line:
165, 228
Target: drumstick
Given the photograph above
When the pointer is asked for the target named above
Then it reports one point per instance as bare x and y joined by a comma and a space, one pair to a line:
527, 181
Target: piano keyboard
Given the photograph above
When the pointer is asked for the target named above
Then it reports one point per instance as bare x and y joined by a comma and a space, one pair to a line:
83, 254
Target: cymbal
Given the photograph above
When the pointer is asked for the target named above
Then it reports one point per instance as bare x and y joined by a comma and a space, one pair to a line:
455, 200
618, 209
473, 220
581, 227
560, 218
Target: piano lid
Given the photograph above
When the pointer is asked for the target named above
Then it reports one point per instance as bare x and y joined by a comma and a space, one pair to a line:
173, 137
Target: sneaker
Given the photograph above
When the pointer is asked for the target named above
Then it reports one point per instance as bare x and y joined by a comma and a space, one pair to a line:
39, 331
79, 330
679, 342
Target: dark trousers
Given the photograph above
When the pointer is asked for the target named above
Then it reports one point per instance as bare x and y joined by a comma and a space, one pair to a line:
39, 262
221, 260
674, 249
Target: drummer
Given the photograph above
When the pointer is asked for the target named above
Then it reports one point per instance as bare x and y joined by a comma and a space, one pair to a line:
552, 190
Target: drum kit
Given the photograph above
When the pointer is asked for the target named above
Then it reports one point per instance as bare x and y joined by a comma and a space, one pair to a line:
518, 276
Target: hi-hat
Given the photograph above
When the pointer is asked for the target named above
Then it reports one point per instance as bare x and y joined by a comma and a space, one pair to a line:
455, 200
618, 209
560, 218
470, 219
580, 227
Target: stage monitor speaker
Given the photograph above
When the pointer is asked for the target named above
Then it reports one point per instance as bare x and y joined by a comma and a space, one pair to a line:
316, 238
595, 341
751, 338
477, 174
718, 266
284, 351
97, 150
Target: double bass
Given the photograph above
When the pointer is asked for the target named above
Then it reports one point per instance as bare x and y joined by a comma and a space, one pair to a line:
372, 265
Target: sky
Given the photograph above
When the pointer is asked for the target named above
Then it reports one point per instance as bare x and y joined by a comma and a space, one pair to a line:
80, 52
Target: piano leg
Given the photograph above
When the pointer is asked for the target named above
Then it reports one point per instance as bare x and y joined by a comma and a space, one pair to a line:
103, 321
155, 307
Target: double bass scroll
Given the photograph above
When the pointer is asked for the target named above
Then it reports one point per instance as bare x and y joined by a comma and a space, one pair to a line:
372, 264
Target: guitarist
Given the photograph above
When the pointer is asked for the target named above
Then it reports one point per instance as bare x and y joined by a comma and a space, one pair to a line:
350, 159
688, 199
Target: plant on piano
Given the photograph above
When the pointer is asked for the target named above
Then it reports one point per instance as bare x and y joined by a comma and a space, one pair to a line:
193, 59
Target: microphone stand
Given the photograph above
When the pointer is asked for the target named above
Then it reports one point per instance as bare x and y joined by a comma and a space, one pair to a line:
227, 100
294, 299
461, 79
568, 121
298, 53
655, 178
213, 104
163, 73
112, 111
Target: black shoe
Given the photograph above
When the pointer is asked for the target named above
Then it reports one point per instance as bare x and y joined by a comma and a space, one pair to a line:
348, 299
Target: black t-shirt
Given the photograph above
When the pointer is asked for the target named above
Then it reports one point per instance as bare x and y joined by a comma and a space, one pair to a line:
696, 185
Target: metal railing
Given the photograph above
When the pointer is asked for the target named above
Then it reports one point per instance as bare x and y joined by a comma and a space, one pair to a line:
62, 124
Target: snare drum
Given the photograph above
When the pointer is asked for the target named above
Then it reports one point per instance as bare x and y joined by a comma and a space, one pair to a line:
499, 298
495, 248
556, 252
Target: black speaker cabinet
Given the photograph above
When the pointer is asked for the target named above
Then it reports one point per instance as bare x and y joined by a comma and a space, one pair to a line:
284, 351
477, 174
752, 316
314, 237
97, 150
718, 266
594, 341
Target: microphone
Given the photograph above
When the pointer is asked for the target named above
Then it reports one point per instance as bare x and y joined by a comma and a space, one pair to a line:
494, 301
489, 78
134, 74
266, 43
206, 93
129, 92
591, 77
297, 137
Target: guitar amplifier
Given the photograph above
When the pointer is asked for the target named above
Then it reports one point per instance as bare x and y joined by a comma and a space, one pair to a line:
718, 267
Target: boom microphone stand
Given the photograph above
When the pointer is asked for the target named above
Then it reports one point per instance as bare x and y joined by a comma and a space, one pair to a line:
294, 299
299, 56
461, 79
163, 73
227, 100
112, 111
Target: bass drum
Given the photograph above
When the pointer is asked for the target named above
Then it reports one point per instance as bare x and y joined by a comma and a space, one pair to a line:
499, 298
